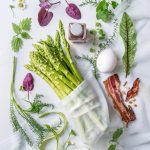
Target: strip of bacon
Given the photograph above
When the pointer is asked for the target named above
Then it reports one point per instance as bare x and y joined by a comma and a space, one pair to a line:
112, 85
134, 90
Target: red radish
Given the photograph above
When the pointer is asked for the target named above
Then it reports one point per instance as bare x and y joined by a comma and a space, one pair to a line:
73, 11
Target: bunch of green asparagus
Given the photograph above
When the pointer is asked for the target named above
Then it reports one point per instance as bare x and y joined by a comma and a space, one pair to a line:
53, 62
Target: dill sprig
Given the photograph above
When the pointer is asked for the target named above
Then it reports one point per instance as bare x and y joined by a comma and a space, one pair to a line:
37, 105
88, 2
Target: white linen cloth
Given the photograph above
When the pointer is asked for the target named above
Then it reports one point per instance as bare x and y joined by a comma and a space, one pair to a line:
137, 136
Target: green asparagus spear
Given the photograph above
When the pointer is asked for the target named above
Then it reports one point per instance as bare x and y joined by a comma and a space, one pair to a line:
67, 49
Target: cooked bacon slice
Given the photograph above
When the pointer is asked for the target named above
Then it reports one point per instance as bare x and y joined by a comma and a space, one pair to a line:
134, 90
112, 85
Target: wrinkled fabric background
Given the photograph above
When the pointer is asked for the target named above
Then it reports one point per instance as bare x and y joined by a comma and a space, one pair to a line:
137, 135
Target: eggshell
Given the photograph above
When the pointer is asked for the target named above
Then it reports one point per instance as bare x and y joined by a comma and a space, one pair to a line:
106, 61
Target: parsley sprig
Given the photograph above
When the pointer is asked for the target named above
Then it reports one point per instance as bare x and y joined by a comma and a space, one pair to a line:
21, 32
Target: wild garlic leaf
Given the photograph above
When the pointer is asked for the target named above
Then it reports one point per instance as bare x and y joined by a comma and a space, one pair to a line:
114, 4
25, 35
112, 147
116, 135
16, 28
25, 24
128, 34
16, 43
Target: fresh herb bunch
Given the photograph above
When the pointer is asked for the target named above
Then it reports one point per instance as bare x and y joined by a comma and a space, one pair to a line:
103, 10
40, 133
21, 32
15, 109
88, 2
114, 140
128, 34
37, 105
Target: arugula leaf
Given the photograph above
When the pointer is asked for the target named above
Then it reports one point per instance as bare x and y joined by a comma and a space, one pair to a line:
128, 34
16, 28
25, 24
103, 12
112, 147
116, 135
25, 35
16, 43
114, 4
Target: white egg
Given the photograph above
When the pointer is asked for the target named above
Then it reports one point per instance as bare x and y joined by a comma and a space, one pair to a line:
106, 61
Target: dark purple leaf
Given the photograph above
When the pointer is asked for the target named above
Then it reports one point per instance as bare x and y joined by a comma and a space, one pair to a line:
44, 17
73, 11
28, 82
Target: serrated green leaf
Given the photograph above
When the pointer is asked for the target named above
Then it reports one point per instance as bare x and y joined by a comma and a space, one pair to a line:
16, 28
114, 4
16, 44
25, 35
25, 24
128, 34
112, 147
117, 134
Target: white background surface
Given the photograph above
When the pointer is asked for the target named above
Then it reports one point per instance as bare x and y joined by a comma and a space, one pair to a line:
137, 136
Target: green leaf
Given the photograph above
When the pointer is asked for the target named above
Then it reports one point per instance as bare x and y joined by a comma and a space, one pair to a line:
16, 44
72, 132
25, 35
103, 12
102, 5
101, 34
25, 24
128, 34
112, 147
16, 28
114, 4
117, 134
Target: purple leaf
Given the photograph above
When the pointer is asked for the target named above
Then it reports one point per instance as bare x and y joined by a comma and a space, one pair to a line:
28, 82
73, 11
44, 17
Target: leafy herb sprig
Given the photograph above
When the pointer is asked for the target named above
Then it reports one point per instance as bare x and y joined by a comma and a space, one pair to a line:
21, 32
88, 2
37, 105
68, 141
115, 138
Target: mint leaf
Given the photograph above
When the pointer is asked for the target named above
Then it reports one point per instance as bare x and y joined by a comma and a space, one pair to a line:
114, 4
25, 35
25, 24
16, 44
112, 147
103, 12
117, 134
16, 28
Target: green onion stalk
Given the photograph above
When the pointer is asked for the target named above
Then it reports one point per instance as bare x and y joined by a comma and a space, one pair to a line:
52, 61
